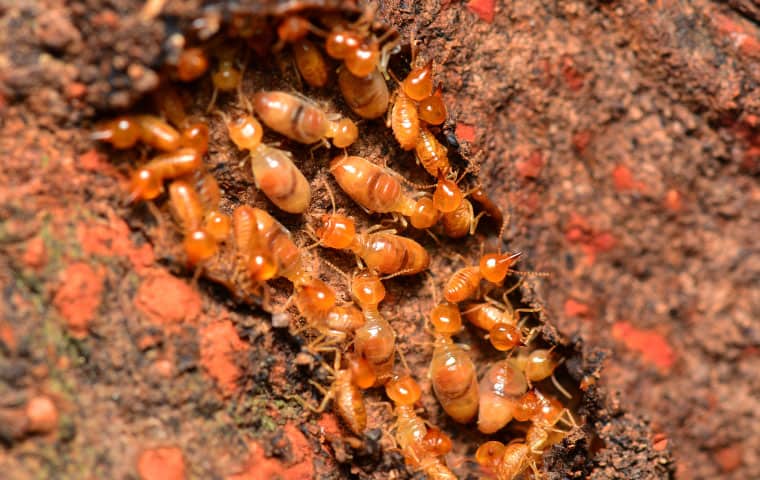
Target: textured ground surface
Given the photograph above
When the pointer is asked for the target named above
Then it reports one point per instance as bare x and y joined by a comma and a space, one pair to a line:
624, 137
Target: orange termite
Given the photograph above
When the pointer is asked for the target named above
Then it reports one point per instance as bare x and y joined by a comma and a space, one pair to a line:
489, 207
192, 63
367, 96
420, 448
245, 132
506, 462
227, 77
122, 132
171, 105
363, 59
343, 132
500, 389
461, 222
404, 121
310, 63
195, 136
294, 117
292, 29
447, 196
254, 255
277, 176
378, 190
146, 183
347, 397
158, 134
431, 154
340, 43
376, 339
186, 206
455, 381
464, 283
385, 253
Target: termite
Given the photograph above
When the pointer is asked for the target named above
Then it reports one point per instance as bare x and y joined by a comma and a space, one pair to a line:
296, 118
376, 339
192, 63
506, 462
367, 96
382, 252
378, 190
452, 372
500, 389
464, 283
147, 182
420, 449
310, 63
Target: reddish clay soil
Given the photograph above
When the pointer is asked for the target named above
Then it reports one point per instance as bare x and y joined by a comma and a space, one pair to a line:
623, 139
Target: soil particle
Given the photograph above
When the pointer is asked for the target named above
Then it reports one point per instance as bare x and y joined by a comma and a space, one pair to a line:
298, 467
35, 254
42, 415
220, 346
166, 299
54, 30
652, 346
485, 9
79, 296
163, 463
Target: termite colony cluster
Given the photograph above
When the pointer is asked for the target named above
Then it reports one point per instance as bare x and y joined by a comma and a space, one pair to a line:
244, 247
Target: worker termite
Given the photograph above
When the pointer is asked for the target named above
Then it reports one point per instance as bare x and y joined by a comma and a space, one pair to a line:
452, 372
420, 450
431, 154
506, 462
447, 196
500, 389
277, 176
187, 208
376, 339
215, 222
292, 116
538, 364
147, 182
460, 222
489, 207
273, 170
378, 190
343, 132
310, 63
227, 77
345, 393
124, 132
253, 254
192, 63
158, 134
382, 252
464, 283
245, 131
195, 135
274, 239
292, 29
367, 96
404, 121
